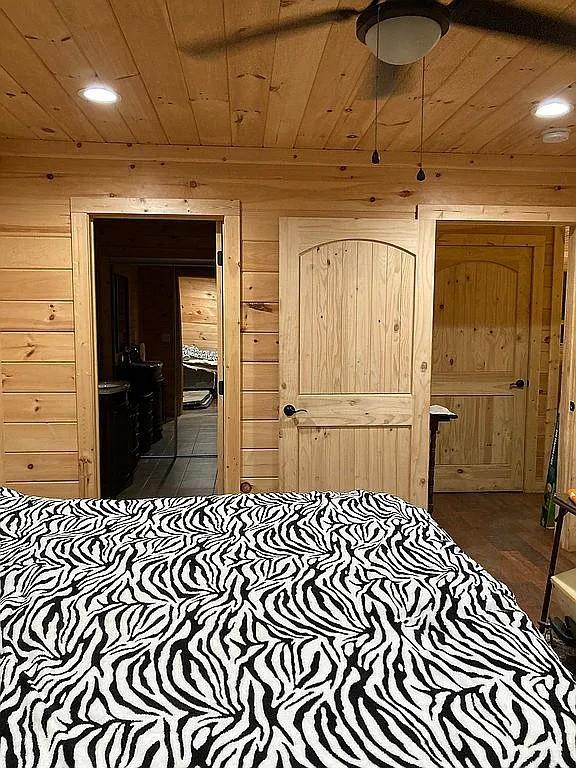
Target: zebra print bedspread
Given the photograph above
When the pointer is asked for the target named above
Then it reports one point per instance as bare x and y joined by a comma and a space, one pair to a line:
272, 631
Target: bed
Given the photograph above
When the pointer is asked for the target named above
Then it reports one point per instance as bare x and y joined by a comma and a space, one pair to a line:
199, 375
264, 631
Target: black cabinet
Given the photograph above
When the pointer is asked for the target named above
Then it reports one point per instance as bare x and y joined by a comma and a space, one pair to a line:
147, 393
118, 422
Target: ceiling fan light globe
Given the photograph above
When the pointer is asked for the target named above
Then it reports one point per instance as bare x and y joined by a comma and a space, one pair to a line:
403, 39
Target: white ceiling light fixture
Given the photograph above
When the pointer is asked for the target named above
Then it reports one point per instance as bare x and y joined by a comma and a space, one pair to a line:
555, 135
402, 32
100, 94
553, 108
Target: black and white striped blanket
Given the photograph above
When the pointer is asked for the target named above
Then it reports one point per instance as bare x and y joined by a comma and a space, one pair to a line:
275, 631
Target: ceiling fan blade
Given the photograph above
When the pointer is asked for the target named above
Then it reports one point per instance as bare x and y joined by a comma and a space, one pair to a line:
218, 44
383, 80
511, 19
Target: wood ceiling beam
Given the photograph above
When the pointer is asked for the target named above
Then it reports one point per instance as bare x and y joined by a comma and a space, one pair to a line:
277, 156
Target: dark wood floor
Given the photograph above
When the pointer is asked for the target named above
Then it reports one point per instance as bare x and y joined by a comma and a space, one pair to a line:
193, 473
501, 531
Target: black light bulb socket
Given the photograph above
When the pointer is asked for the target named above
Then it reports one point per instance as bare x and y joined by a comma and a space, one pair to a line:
421, 175
375, 157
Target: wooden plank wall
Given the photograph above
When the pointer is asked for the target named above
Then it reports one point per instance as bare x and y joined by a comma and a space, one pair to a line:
37, 358
198, 312
37, 340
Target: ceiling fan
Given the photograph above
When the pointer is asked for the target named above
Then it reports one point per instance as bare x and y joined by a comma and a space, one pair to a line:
401, 32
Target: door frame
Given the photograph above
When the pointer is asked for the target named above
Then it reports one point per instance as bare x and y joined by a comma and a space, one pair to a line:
429, 215
83, 210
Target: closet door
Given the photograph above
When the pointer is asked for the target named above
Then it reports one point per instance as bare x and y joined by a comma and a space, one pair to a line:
355, 325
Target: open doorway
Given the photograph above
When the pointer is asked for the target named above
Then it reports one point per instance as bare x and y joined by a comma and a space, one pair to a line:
496, 364
159, 346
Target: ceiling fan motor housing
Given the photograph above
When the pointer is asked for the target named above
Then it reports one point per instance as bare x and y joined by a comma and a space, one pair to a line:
402, 31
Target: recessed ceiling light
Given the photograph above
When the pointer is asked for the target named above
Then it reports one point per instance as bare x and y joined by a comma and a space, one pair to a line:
99, 94
553, 108
555, 135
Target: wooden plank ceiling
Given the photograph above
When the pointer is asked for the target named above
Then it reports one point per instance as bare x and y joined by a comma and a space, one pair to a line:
303, 91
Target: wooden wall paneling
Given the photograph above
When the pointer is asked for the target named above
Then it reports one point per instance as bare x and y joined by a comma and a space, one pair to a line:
259, 316
40, 438
199, 311
32, 252
203, 335
259, 485
34, 467
31, 284
85, 354
36, 315
259, 376
260, 434
259, 256
260, 405
49, 490
37, 346
28, 407
260, 286
260, 462
34, 377
260, 347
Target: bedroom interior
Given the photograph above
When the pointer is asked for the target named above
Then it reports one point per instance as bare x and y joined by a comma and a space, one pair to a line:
287, 306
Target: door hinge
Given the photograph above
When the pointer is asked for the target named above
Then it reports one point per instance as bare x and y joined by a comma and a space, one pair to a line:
221, 387
219, 258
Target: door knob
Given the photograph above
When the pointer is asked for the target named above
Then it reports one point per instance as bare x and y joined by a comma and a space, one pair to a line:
518, 384
290, 410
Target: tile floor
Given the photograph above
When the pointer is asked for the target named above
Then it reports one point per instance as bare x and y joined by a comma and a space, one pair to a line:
192, 473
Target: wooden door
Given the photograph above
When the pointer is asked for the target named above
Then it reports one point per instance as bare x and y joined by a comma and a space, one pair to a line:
567, 444
480, 351
355, 337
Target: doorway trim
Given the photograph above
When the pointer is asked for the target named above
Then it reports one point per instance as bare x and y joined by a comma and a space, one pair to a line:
429, 215
82, 212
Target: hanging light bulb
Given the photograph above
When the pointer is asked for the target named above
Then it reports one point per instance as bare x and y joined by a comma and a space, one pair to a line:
375, 157
421, 175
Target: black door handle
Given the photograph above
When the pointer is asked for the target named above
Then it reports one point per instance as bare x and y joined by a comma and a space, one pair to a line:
290, 410
518, 384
